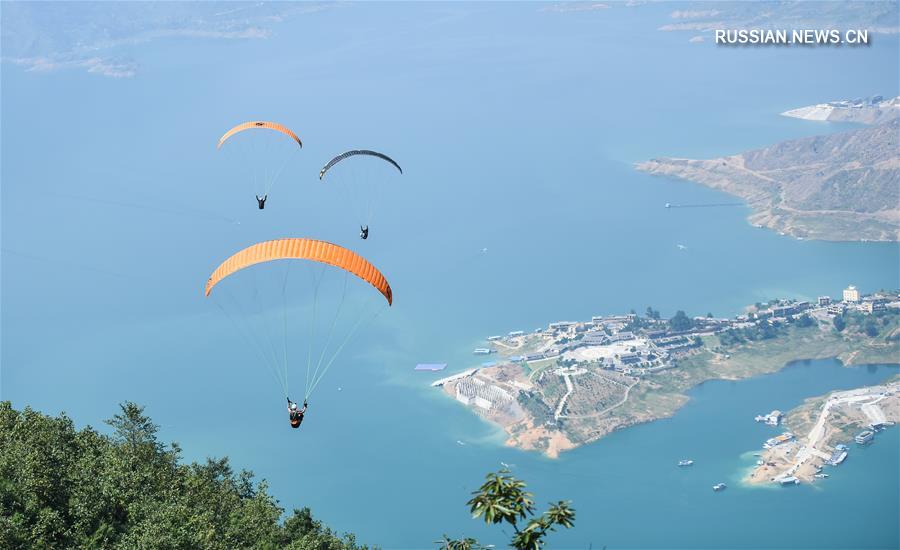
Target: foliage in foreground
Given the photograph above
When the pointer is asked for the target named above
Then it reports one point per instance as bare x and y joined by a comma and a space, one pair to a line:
503, 499
67, 488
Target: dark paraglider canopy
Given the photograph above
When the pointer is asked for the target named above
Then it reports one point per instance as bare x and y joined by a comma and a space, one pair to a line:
354, 153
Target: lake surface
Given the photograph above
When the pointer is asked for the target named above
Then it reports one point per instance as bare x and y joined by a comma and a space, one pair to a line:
516, 129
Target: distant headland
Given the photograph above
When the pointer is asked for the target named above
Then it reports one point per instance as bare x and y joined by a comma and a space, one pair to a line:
836, 187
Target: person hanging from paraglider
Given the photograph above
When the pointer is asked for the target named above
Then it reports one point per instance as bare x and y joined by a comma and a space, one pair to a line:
365, 191
295, 413
262, 201
313, 254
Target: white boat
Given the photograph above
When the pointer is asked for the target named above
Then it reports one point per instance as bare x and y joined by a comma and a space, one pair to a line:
685, 462
719, 487
760, 462
821, 476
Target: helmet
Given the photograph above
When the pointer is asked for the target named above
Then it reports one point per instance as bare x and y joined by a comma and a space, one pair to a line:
293, 406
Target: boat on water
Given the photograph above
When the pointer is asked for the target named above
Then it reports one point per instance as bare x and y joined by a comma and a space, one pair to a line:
719, 487
760, 462
821, 476
836, 458
789, 480
685, 462
482, 351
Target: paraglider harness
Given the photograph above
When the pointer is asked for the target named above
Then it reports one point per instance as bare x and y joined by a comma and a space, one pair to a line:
364, 232
296, 415
262, 201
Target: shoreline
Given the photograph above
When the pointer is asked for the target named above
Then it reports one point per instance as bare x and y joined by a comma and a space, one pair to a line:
826, 426
576, 382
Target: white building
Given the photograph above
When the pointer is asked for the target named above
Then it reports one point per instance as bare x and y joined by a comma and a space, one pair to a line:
851, 294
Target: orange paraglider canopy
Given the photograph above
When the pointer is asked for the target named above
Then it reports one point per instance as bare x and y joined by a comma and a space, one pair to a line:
259, 124
303, 249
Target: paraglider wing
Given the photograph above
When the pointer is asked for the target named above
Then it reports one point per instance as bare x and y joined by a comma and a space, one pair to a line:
355, 152
259, 124
303, 249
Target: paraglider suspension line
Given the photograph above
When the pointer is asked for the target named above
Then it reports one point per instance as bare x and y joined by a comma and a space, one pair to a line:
340, 348
337, 314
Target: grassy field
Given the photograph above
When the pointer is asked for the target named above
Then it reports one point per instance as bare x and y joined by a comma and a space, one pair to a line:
534, 368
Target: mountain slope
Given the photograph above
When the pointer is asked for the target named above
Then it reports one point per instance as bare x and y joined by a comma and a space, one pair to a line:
839, 187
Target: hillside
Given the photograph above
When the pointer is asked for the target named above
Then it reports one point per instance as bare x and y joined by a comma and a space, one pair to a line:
67, 488
837, 187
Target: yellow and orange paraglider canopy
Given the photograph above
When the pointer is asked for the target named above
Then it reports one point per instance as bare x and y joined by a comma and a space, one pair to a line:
303, 249
259, 124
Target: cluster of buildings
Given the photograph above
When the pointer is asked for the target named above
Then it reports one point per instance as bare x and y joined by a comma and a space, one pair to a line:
851, 300
651, 344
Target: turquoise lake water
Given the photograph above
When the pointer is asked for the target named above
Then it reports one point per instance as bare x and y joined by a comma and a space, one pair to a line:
517, 129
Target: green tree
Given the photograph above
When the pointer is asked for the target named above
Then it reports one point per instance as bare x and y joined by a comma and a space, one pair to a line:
839, 323
503, 499
681, 322
67, 488
805, 321
871, 329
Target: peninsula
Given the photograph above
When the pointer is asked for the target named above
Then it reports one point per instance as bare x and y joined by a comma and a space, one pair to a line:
820, 430
571, 383
836, 187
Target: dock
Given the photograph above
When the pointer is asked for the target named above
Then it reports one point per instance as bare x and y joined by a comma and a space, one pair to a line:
457, 376
431, 366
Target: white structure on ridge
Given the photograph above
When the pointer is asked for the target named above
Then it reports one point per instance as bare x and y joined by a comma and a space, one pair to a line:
851, 294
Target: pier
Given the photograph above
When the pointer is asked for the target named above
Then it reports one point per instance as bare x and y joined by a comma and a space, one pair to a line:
457, 376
